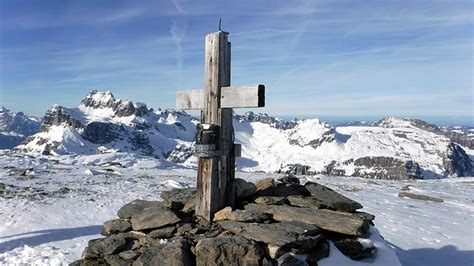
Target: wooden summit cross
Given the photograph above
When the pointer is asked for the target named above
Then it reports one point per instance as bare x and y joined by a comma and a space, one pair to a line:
216, 170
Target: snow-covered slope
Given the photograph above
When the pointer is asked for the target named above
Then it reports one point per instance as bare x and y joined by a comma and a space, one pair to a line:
50, 207
15, 127
102, 123
394, 148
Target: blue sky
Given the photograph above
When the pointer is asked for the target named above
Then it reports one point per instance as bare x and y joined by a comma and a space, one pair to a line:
316, 58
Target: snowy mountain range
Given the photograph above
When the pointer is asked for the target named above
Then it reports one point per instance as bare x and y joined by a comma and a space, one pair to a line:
393, 148
15, 127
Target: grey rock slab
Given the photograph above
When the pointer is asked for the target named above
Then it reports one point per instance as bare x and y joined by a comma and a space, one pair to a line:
163, 233
290, 234
228, 250
271, 200
180, 198
175, 253
352, 248
331, 198
282, 190
289, 259
184, 229
244, 189
305, 202
290, 179
285, 190
128, 255
116, 226
107, 246
134, 207
334, 221
365, 216
154, 217
89, 262
116, 260
404, 194
241, 215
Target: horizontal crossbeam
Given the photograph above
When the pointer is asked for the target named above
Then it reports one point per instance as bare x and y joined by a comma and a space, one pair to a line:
231, 97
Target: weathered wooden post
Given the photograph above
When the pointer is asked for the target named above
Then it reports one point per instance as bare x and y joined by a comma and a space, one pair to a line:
214, 178
216, 170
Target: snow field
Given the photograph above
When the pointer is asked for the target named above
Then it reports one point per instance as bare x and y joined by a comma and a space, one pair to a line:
41, 226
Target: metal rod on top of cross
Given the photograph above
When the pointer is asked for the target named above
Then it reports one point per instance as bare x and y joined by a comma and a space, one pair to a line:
215, 142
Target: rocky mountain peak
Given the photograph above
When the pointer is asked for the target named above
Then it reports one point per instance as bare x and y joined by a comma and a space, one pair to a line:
58, 115
266, 119
15, 127
391, 122
97, 99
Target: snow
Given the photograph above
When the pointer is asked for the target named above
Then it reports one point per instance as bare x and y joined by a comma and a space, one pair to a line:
42, 226
67, 139
268, 154
268, 144
395, 122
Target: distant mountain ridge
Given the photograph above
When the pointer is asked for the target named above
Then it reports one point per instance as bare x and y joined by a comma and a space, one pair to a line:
102, 122
15, 127
393, 148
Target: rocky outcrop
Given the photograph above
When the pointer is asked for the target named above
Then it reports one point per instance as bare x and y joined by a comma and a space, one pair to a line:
58, 115
457, 162
347, 224
462, 139
168, 233
312, 133
387, 168
18, 123
392, 122
101, 132
229, 250
176, 252
394, 148
180, 153
121, 108
116, 226
331, 198
154, 217
296, 169
249, 117
115, 124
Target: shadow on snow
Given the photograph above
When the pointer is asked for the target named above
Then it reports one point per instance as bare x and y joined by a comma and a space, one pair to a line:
447, 255
40, 237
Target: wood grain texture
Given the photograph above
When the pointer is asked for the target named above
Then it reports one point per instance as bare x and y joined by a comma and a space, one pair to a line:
227, 166
190, 100
244, 96
216, 175
212, 182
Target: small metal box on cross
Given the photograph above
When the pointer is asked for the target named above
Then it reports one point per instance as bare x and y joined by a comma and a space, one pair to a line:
216, 169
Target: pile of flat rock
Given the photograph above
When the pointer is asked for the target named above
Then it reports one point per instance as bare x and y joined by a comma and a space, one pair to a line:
274, 223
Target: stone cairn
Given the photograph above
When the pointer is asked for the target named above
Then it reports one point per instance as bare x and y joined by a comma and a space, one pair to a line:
274, 223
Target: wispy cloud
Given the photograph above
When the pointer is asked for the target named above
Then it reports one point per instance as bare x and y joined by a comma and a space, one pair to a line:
178, 6
310, 54
178, 33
